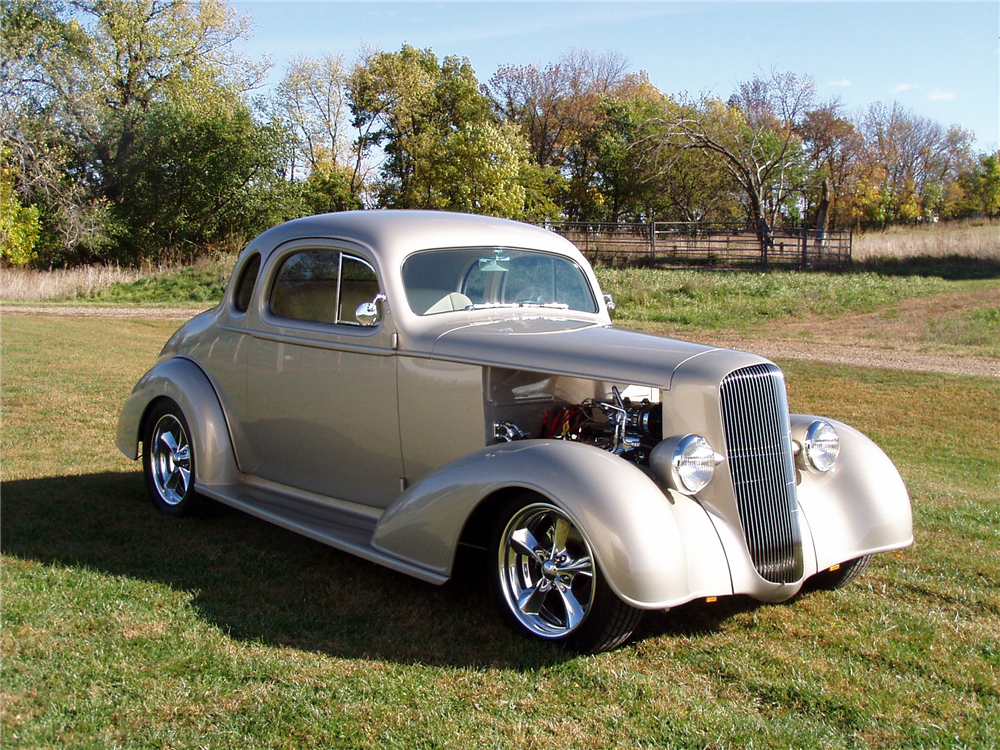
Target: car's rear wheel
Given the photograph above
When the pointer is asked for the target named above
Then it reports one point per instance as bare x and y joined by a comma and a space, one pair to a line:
548, 584
844, 574
168, 460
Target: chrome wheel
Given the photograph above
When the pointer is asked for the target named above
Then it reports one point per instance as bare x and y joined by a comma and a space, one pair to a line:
170, 460
546, 571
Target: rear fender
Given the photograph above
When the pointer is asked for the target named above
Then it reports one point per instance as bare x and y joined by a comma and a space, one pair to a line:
655, 549
182, 381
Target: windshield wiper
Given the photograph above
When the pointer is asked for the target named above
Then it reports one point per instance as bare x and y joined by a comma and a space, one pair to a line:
512, 305
491, 305
550, 305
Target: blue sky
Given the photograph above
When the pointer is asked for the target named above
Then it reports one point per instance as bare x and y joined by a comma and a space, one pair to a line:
940, 59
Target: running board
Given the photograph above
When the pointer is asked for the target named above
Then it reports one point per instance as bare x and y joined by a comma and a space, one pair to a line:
331, 523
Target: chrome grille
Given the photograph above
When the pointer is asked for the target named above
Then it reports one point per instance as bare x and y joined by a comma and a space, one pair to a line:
755, 419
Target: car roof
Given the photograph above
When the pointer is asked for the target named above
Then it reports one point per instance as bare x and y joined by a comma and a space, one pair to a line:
394, 234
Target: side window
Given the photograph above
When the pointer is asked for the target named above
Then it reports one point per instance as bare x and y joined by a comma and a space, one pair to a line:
244, 288
324, 286
358, 284
306, 286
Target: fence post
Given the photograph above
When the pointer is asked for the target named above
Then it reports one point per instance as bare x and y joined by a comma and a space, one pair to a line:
805, 248
652, 241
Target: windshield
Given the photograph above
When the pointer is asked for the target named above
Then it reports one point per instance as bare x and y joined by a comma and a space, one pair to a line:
440, 281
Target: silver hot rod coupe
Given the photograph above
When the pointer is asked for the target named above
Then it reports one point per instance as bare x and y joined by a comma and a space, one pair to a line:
398, 383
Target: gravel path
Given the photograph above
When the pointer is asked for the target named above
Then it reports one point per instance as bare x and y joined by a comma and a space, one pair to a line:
87, 311
896, 359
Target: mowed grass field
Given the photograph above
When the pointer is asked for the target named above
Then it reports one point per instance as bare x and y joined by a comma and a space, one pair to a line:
122, 628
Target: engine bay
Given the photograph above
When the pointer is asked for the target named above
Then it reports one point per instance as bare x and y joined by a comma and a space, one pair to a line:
621, 419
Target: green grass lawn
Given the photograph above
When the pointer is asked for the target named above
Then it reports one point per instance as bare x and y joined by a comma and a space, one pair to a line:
698, 300
122, 628
693, 300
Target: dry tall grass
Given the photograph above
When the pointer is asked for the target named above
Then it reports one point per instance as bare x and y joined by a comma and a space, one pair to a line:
979, 239
23, 285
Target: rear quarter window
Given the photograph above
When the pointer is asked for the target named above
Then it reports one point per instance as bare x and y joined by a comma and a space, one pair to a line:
245, 285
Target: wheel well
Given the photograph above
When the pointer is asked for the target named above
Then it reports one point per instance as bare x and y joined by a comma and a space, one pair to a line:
143, 422
476, 532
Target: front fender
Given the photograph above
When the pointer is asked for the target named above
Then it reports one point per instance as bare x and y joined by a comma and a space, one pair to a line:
656, 550
185, 383
858, 508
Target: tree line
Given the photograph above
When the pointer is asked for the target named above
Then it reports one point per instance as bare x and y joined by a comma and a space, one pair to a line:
134, 130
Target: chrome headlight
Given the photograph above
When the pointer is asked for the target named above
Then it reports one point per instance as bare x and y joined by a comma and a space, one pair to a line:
820, 447
686, 463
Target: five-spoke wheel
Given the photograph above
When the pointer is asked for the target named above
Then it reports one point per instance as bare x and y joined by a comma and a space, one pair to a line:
168, 460
548, 584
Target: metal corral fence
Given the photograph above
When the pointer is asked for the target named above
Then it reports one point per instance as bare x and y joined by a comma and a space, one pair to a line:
668, 244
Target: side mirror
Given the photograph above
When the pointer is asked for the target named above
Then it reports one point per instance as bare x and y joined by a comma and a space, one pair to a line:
370, 313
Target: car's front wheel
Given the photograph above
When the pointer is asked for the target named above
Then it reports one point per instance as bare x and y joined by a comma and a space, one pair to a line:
168, 460
548, 584
843, 574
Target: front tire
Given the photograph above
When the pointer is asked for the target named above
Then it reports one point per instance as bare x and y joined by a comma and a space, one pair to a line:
844, 574
548, 584
168, 461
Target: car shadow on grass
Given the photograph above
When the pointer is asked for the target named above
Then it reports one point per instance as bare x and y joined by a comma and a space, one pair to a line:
260, 583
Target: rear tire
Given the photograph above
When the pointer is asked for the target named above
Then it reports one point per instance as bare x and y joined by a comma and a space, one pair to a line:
547, 583
168, 461
845, 574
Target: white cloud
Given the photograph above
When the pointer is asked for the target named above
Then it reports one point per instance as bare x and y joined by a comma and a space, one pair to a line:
900, 87
842, 82
937, 95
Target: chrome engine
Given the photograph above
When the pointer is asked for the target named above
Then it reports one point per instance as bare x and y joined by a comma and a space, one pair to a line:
627, 429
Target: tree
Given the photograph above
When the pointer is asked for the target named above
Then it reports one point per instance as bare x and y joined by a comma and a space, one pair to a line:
328, 188
147, 52
915, 160
834, 150
93, 77
627, 173
754, 136
556, 106
19, 226
313, 99
979, 188
45, 61
557, 109
443, 147
484, 169
197, 179
392, 102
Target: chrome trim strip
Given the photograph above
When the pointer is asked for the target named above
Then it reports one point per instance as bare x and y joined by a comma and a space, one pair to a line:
340, 346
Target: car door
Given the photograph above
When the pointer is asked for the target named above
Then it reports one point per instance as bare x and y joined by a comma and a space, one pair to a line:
321, 387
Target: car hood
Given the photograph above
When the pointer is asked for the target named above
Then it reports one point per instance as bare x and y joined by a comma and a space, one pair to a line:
568, 347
